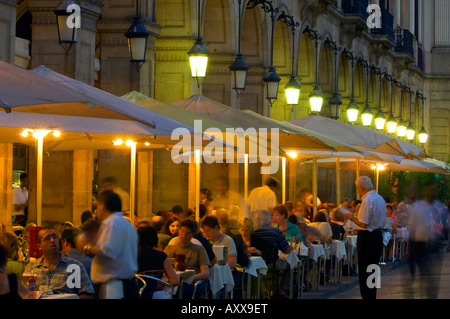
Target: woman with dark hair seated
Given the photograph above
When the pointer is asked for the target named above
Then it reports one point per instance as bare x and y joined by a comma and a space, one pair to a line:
150, 258
289, 230
9, 284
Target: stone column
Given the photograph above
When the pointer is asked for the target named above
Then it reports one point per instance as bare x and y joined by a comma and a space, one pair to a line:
118, 74
144, 190
292, 188
66, 186
7, 30
80, 62
6, 169
82, 183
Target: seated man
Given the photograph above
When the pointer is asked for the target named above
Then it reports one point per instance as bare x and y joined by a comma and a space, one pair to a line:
269, 240
52, 268
68, 239
196, 257
266, 238
212, 230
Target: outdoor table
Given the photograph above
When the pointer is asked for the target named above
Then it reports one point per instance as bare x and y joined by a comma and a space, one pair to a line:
256, 267
186, 276
293, 262
220, 276
351, 246
303, 253
402, 234
315, 253
338, 250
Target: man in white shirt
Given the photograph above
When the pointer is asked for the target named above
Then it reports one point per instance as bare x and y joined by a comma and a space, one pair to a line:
115, 251
20, 201
264, 197
370, 221
224, 198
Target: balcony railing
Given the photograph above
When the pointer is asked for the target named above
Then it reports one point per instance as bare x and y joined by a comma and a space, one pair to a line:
404, 42
387, 26
421, 59
356, 7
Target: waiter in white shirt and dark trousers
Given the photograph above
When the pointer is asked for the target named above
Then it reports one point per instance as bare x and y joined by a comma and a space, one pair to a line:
115, 251
370, 222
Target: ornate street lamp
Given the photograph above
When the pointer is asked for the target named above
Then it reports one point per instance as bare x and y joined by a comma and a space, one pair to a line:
239, 68
391, 123
67, 30
316, 96
352, 108
366, 114
292, 88
137, 36
410, 131
423, 135
401, 126
380, 119
335, 102
271, 79
198, 55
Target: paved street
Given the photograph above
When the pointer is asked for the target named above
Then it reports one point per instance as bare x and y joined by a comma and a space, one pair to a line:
396, 282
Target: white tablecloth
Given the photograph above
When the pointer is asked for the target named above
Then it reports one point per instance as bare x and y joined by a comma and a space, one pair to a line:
316, 251
386, 238
338, 249
351, 240
302, 250
402, 234
187, 275
290, 258
256, 263
219, 277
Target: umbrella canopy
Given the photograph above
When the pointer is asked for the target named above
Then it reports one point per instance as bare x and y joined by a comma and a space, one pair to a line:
163, 131
76, 132
362, 137
25, 91
288, 138
407, 165
174, 112
116, 105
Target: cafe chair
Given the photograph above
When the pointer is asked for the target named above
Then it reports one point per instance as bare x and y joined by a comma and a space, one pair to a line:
271, 261
197, 283
149, 285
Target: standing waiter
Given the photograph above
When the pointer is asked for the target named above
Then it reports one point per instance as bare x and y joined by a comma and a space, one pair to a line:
370, 221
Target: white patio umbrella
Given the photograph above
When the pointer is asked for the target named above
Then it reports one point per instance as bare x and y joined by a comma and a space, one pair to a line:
84, 112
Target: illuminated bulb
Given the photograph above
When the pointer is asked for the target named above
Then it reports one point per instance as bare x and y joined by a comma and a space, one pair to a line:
118, 142
292, 154
147, 144
24, 133
129, 143
56, 133
401, 129
40, 133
